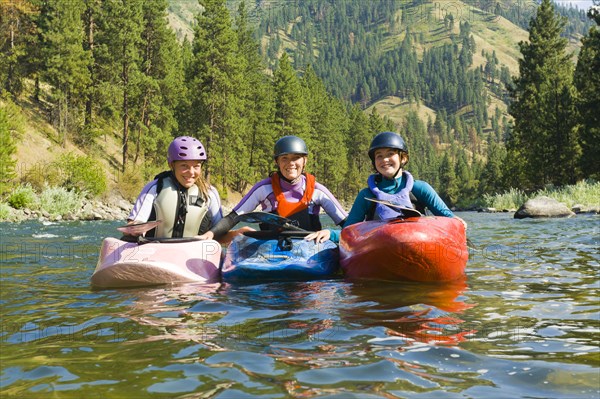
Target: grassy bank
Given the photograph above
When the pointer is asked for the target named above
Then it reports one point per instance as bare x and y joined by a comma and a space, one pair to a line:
52, 201
586, 193
59, 203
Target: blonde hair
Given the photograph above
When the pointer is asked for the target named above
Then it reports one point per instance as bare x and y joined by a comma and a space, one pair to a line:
203, 186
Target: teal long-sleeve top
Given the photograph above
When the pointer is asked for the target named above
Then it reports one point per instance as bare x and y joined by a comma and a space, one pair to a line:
422, 191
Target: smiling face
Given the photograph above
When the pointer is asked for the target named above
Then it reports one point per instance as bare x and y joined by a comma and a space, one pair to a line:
187, 172
291, 165
387, 162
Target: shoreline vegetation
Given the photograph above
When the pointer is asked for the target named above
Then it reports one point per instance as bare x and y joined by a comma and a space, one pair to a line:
86, 126
60, 204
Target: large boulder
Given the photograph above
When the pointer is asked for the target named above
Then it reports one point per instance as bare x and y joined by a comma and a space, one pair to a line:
543, 207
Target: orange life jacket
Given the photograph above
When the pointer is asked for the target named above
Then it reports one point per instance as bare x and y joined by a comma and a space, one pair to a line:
286, 208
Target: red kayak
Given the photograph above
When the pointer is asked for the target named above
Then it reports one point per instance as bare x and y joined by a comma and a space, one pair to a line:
426, 248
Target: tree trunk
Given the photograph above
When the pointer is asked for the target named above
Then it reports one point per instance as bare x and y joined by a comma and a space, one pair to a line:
89, 103
125, 77
125, 128
145, 118
146, 123
11, 66
62, 120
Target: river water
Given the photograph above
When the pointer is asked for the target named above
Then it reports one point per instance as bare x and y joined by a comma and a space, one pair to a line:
525, 323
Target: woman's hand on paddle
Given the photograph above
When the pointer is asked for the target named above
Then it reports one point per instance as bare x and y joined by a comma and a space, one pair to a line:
462, 221
319, 236
134, 228
227, 238
224, 239
209, 235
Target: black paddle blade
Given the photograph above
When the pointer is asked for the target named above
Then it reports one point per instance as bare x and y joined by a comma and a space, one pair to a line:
275, 234
268, 218
407, 212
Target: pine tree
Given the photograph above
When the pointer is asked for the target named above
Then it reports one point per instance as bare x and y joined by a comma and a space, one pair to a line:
328, 126
7, 150
449, 190
415, 135
587, 81
161, 72
91, 15
544, 136
17, 37
291, 115
377, 124
466, 175
184, 112
119, 71
215, 78
491, 176
357, 143
258, 107
66, 62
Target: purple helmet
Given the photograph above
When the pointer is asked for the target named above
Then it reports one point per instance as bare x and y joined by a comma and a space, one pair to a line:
186, 148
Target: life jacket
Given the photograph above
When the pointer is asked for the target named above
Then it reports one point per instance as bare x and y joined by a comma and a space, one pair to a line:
184, 212
296, 211
402, 198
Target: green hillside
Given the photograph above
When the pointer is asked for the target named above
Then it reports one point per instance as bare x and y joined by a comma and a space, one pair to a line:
298, 28
115, 82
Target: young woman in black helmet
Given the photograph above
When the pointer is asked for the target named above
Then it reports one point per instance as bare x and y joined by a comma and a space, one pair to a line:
291, 193
389, 155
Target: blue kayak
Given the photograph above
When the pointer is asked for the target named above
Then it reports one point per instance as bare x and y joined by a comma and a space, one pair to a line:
282, 258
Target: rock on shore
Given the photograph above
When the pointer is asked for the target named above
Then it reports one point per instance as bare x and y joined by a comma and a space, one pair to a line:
113, 209
543, 207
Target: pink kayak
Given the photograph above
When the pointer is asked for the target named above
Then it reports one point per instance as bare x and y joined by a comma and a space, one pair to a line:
127, 264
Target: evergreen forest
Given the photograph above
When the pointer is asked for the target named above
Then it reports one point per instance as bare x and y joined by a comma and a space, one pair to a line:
251, 72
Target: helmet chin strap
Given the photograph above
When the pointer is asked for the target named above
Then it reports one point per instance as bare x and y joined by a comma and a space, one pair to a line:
402, 163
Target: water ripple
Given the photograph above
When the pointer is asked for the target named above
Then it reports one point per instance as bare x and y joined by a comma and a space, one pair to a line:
523, 324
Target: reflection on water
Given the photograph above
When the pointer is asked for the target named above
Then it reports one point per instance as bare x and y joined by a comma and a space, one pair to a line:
523, 324
427, 313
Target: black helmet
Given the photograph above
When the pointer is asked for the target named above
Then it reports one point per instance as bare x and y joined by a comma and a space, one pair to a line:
290, 145
387, 140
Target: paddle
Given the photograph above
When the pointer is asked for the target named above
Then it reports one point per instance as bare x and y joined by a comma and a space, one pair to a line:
268, 218
284, 238
407, 212
138, 229
166, 240
274, 235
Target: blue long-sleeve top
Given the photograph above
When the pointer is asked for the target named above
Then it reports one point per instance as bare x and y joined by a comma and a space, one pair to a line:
422, 191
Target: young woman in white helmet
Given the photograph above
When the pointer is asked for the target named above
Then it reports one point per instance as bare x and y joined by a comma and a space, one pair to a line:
180, 197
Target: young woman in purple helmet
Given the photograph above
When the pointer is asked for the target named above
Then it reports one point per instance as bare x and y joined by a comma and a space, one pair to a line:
389, 156
291, 193
180, 197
